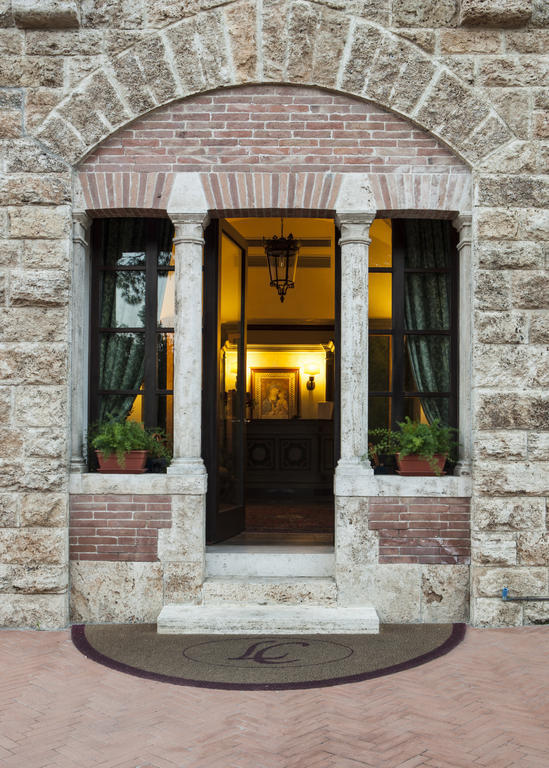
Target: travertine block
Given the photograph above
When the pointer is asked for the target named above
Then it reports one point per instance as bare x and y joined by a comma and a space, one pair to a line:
489, 582
502, 327
536, 613
40, 406
10, 253
48, 14
58, 134
493, 290
538, 446
34, 546
183, 582
445, 593
34, 579
38, 287
34, 611
512, 411
510, 255
34, 221
424, 13
498, 224
113, 13
534, 224
530, 290
9, 503
5, 404
494, 549
364, 45
33, 364
153, 59
539, 327
470, 41
44, 510
495, 13
533, 548
115, 592
394, 590
26, 188
242, 27
508, 514
516, 157
11, 442
501, 366
33, 324
46, 254
501, 445
513, 478
493, 612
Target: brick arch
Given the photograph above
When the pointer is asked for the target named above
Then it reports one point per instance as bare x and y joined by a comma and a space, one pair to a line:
241, 43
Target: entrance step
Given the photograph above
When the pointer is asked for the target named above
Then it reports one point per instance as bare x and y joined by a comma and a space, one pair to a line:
267, 619
273, 562
270, 591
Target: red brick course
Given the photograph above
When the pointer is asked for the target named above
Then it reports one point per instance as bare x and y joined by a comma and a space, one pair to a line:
422, 530
117, 527
272, 128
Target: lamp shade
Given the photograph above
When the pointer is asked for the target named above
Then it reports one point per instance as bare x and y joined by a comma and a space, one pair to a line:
281, 255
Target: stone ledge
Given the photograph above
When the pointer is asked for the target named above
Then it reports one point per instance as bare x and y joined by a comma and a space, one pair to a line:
94, 483
394, 485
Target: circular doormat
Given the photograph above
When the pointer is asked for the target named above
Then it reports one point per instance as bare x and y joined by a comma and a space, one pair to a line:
264, 662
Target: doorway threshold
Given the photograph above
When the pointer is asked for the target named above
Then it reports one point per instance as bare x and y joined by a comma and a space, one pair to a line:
250, 541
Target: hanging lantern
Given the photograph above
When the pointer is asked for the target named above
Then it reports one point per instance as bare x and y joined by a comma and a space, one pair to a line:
282, 255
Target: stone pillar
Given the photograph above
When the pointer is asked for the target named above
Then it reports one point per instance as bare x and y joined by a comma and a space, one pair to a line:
463, 225
79, 353
355, 228
187, 386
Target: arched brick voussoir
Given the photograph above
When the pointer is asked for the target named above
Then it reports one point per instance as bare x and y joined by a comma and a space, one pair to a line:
318, 46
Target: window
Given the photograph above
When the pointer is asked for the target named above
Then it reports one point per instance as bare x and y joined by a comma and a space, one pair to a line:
413, 322
132, 318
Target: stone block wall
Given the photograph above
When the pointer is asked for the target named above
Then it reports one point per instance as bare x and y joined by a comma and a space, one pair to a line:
117, 528
472, 74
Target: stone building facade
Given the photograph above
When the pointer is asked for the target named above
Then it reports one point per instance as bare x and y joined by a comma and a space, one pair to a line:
345, 109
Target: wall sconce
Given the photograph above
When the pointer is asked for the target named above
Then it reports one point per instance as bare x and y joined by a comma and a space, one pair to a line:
311, 372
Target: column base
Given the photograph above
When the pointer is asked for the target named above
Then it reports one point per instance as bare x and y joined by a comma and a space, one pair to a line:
187, 467
78, 466
463, 469
351, 475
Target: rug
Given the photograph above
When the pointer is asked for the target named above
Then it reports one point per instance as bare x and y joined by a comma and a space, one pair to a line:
263, 662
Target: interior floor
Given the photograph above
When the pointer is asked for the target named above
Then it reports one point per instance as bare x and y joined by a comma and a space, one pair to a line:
285, 515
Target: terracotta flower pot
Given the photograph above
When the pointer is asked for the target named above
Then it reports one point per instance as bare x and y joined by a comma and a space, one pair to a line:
415, 466
134, 463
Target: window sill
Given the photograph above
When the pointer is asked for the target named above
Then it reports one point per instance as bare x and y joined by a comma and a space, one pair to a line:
395, 485
95, 483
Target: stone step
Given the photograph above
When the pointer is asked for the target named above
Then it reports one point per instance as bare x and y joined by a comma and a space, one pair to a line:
270, 591
267, 562
267, 619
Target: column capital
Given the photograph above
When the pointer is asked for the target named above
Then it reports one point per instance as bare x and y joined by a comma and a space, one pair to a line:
81, 224
355, 226
189, 227
463, 224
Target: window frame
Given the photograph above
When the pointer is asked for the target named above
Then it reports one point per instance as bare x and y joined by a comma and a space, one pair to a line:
397, 394
151, 330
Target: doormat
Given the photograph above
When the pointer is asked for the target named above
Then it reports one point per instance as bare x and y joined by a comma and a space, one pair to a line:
264, 662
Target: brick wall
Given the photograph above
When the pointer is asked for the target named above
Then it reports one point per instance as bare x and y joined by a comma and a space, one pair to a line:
422, 530
272, 128
117, 528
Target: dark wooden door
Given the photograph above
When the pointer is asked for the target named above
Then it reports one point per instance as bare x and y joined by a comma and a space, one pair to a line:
224, 390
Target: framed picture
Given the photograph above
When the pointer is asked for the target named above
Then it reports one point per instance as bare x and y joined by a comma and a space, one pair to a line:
275, 393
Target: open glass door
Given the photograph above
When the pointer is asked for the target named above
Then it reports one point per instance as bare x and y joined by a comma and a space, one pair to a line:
224, 401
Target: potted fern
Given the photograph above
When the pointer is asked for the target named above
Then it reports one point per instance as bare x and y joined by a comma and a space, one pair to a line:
121, 446
423, 448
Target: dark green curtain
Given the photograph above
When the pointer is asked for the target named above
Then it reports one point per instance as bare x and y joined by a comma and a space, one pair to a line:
122, 355
427, 308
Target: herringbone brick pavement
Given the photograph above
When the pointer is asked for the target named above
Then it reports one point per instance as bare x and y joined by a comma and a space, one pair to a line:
485, 705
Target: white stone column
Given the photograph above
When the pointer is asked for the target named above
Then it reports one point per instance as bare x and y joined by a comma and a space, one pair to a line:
463, 225
80, 292
187, 386
355, 240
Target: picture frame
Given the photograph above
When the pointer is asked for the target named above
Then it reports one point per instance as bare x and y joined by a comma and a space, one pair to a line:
275, 393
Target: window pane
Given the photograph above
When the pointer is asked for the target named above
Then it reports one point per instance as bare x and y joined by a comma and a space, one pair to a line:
380, 251
427, 409
121, 407
165, 243
166, 299
121, 360
379, 412
164, 419
123, 299
427, 363
380, 300
164, 362
379, 363
427, 302
124, 243
428, 244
